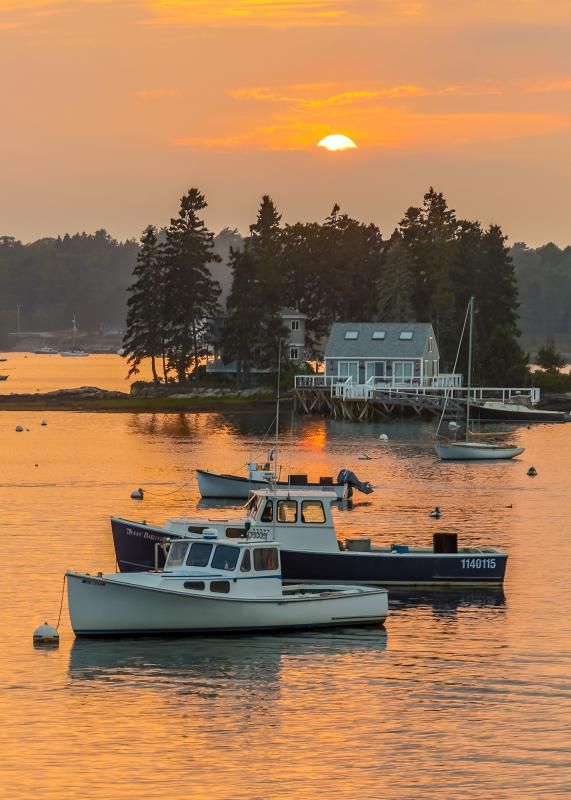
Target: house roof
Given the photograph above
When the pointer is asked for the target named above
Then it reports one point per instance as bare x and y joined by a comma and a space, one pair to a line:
391, 346
291, 313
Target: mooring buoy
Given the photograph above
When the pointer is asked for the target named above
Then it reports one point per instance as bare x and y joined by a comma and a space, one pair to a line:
19, 429
137, 494
436, 513
532, 472
46, 635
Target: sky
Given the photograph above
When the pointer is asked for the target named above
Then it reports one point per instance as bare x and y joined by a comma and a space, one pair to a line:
112, 109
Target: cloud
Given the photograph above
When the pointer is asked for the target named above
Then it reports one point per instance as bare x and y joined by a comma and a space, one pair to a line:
295, 118
305, 13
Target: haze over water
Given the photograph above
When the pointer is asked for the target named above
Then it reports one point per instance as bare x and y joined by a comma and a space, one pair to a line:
462, 696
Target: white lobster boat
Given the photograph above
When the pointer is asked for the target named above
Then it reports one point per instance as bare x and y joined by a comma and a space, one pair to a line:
214, 585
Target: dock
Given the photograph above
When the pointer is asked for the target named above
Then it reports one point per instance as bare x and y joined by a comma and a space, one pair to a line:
365, 402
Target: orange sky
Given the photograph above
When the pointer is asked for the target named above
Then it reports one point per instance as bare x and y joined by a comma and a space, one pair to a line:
112, 108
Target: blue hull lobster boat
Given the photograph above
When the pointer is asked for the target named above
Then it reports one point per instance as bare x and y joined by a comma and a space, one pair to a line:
311, 553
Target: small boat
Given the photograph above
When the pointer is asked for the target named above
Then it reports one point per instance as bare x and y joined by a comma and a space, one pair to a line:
514, 411
467, 450
260, 475
74, 352
476, 451
302, 521
45, 351
212, 585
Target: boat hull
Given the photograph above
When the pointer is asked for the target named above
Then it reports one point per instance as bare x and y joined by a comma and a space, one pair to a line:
105, 606
412, 569
515, 415
218, 485
137, 546
468, 451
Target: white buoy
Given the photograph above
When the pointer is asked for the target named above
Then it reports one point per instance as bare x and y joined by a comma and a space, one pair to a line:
436, 513
19, 429
532, 471
453, 426
383, 437
364, 457
43, 422
137, 494
46, 634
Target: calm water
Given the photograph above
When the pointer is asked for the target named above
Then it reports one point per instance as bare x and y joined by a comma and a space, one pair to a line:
461, 696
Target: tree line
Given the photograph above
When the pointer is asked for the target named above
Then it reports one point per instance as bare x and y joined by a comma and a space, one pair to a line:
337, 269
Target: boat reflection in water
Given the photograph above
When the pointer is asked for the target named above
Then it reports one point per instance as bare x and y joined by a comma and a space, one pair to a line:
448, 603
187, 663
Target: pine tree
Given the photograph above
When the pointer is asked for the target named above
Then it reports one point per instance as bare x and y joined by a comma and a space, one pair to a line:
396, 285
191, 293
254, 325
144, 329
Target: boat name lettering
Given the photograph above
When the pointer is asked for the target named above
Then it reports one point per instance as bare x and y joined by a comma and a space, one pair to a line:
478, 563
153, 537
259, 533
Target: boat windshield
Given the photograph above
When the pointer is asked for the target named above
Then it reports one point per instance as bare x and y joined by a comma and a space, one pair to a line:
225, 557
177, 552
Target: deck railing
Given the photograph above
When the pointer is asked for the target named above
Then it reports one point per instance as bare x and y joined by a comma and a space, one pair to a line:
446, 385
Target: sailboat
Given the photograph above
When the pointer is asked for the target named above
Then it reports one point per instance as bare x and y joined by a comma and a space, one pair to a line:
468, 449
75, 351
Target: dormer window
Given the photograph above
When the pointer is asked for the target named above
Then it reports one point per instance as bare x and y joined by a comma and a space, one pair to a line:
406, 335
294, 324
351, 334
378, 335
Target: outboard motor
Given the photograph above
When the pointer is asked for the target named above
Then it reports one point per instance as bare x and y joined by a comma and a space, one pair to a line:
348, 477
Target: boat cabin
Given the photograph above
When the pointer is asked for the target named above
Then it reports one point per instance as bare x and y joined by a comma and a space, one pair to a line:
208, 564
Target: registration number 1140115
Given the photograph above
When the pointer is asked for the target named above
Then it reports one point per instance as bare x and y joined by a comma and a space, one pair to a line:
478, 563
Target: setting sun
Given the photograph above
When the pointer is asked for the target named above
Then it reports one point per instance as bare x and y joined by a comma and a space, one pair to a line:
336, 141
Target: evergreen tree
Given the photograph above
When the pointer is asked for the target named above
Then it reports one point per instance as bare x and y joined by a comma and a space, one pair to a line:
191, 294
497, 351
145, 325
396, 286
254, 324
549, 358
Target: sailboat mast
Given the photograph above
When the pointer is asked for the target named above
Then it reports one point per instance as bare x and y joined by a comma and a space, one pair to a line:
469, 377
278, 401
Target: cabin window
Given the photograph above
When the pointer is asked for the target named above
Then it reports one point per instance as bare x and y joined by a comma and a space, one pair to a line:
177, 553
351, 334
265, 559
287, 511
199, 554
220, 586
195, 528
246, 564
406, 335
312, 511
194, 585
268, 512
378, 335
294, 325
294, 353
225, 557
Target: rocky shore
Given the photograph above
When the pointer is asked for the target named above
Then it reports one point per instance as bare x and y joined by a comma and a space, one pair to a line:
92, 398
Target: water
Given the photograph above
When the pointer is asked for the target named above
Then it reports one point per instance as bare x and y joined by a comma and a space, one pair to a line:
462, 696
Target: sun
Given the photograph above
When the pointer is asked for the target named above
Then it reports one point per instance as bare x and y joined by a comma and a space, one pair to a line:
336, 141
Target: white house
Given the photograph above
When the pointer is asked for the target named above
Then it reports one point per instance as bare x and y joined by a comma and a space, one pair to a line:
396, 353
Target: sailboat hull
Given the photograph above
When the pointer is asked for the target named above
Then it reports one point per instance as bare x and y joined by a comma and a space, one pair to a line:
476, 451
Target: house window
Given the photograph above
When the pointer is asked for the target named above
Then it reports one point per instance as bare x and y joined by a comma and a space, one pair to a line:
406, 335
403, 371
378, 335
375, 369
294, 353
294, 325
349, 369
430, 344
351, 334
